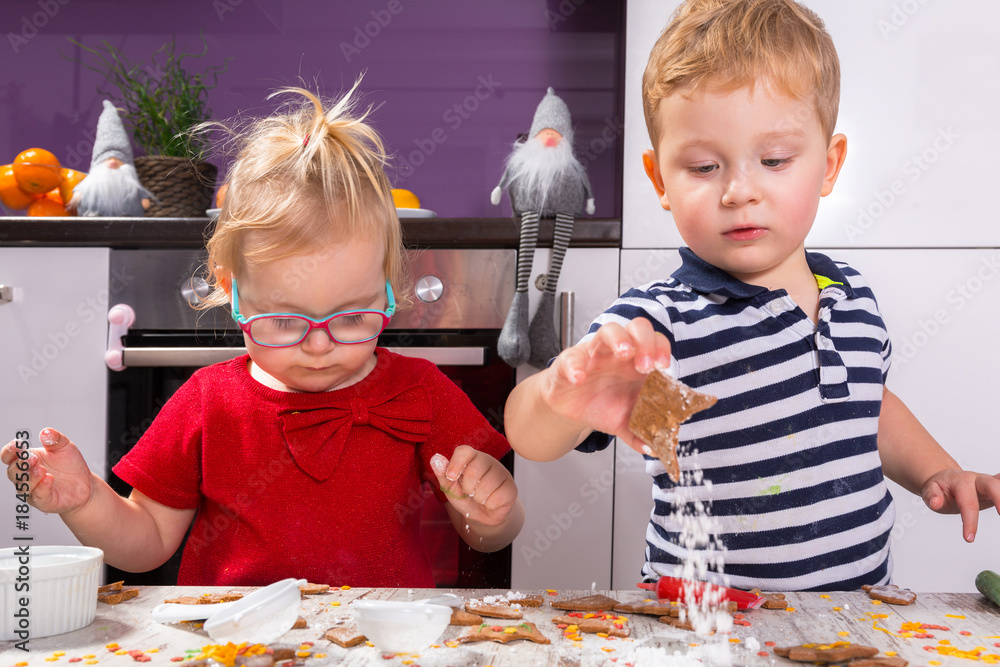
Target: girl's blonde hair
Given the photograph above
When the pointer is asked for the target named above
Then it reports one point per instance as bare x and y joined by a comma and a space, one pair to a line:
730, 44
310, 174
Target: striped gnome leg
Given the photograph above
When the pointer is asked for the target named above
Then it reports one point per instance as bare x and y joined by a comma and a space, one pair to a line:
513, 344
542, 334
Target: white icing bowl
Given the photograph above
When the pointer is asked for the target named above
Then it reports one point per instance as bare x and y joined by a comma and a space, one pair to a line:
400, 627
48, 591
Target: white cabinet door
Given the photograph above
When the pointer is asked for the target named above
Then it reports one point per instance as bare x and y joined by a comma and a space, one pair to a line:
942, 309
566, 539
920, 125
53, 336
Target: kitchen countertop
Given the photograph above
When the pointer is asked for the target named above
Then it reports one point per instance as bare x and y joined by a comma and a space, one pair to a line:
963, 623
192, 232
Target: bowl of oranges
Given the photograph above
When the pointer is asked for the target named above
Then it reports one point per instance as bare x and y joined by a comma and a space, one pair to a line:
37, 184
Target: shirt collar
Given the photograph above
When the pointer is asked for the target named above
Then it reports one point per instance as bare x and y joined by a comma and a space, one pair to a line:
706, 278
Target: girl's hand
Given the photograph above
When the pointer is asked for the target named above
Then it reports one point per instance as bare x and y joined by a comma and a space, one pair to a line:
597, 382
55, 478
476, 485
962, 492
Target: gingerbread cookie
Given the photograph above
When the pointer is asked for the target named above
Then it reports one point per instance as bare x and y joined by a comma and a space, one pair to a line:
677, 622
346, 635
891, 594
586, 603
504, 633
313, 589
885, 661
835, 652
116, 593
609, 624
499, 608
525, 600
771, 600
462, 617
649, 608
663, 405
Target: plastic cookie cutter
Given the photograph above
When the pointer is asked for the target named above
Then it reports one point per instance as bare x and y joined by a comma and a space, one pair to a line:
260, 617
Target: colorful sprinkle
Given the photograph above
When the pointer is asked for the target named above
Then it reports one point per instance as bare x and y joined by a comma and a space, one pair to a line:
345, 588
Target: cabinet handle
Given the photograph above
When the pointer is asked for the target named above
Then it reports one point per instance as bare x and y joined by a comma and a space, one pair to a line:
6, 294
566, 315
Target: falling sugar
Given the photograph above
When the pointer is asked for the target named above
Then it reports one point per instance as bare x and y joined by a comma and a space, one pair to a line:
703, 562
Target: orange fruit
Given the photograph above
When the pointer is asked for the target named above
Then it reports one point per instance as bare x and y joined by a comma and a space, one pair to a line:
47, 206
70, 179
220, 195
11, 194
37, 171
405, 199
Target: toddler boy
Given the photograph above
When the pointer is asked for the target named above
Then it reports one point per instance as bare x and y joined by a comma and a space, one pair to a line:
740, 99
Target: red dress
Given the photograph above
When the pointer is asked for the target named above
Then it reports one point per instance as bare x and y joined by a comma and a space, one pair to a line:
320, 486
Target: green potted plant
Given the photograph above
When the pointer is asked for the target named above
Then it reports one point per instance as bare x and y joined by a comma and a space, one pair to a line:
164, 103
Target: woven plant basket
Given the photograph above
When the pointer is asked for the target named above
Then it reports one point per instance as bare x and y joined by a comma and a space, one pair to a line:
183, 187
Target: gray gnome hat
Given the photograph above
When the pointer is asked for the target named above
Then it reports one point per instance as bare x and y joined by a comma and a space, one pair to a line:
553, 113
111, 140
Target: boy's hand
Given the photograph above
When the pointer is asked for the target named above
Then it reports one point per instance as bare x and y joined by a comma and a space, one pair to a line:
597, 382
476, 485
55, 478
962, 492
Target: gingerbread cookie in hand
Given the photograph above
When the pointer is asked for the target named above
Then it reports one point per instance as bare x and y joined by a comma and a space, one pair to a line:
663, 405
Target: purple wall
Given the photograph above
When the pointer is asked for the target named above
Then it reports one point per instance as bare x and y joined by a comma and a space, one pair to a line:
455, 80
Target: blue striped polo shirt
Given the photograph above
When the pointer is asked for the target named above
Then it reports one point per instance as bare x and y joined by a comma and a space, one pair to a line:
788, 456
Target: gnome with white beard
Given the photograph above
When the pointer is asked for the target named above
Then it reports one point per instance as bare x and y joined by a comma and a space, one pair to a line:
544, 180
112, 187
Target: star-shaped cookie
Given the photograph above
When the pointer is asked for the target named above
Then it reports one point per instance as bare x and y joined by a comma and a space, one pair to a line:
663, 405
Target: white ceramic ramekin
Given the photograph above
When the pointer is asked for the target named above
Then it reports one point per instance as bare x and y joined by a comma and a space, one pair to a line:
47, 590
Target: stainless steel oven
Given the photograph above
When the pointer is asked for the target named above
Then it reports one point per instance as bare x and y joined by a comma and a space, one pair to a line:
157, 340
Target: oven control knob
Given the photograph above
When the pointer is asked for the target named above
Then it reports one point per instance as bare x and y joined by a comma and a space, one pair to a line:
429, 289
195, 290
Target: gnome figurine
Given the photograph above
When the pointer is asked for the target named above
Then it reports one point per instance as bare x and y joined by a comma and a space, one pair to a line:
112, 187
544, 180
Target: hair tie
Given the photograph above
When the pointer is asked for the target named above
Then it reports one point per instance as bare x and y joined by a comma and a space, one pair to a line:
305, 142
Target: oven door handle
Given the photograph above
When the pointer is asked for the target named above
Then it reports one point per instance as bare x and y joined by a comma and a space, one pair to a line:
146, 357
118, 357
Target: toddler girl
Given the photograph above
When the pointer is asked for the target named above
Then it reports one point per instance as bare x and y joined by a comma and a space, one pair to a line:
296, 459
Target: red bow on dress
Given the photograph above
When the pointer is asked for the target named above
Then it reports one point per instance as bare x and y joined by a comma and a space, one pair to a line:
316, 436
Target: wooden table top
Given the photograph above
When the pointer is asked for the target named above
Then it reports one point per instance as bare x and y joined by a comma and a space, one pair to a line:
966, 623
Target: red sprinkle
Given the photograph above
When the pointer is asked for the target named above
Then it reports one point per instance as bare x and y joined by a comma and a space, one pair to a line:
388, 656
497, 628
178, 658
965, 632
74, 660
739, 616
740, 621
562, 626
930, 648
307, 644
770, 644
763, 654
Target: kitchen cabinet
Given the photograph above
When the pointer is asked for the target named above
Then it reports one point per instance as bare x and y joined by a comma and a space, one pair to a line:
920, 125
567, 531
945, 361
53, 334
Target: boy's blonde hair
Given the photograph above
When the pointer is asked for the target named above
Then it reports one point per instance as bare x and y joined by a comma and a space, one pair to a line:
730, 44
310, 174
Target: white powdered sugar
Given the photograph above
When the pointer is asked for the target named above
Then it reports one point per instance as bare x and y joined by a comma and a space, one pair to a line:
703, 562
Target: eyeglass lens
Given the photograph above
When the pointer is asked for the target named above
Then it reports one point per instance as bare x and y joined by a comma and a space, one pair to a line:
346, 328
